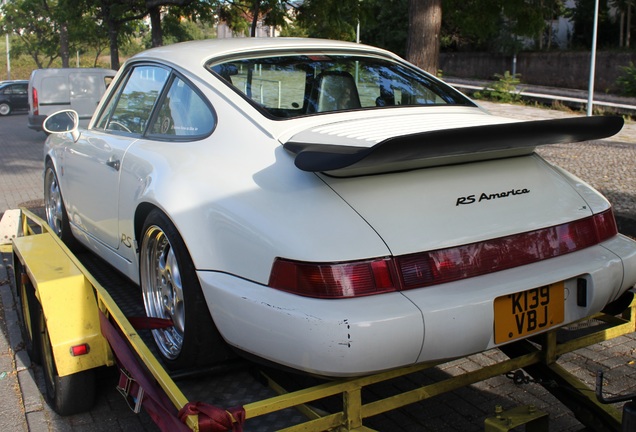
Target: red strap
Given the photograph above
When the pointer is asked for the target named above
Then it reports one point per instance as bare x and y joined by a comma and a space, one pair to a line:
150, 323
214, 419
155, 401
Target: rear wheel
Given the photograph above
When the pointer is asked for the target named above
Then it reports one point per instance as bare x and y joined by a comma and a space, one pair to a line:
171, 291
70, 394
5, 109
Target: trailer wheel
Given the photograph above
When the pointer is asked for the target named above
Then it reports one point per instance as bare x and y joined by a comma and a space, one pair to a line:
171, 290
56, 216
29, 311
70, 394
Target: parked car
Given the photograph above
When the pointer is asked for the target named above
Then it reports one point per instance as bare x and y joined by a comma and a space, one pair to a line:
13, 96
53, 89
329, 207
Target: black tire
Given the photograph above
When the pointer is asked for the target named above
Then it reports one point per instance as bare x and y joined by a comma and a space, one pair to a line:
5, 109
56, 216
171, 290
70, 394
29, 313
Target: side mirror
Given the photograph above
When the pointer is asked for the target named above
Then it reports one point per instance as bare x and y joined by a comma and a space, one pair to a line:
62, 122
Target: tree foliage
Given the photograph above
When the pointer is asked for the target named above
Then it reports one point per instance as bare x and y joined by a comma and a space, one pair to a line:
496, 25
330, 19
379, 15
583, 17
36, 30
47, 30
242, 16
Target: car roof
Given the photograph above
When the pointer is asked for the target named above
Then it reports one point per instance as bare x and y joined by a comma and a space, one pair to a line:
196, 53
7, 82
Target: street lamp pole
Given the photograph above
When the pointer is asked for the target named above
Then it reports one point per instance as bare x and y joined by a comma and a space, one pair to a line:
8, 57
4, 2
590, 89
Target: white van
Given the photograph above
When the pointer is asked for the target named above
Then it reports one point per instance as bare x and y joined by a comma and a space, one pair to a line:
80, 89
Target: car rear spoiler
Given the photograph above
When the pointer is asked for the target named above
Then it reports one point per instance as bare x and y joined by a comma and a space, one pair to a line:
397, 151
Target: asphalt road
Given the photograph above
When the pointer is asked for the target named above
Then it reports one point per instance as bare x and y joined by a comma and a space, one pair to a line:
21, 163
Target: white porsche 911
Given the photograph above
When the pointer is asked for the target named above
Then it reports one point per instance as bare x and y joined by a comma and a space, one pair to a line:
329, 207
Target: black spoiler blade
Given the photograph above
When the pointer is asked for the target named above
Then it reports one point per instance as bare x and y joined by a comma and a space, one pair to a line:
453, 142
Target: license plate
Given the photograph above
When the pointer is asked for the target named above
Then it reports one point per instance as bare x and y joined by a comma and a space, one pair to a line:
525, 313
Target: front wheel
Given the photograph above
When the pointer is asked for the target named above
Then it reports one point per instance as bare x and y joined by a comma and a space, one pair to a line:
56, 216
171, 290
69, 394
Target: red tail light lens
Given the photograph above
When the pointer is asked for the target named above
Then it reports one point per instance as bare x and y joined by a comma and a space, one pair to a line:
361, 278
334, 280
605, 224
452, 264
36, 106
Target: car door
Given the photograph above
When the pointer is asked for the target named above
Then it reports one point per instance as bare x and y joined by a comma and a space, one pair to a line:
18, 96
92, 166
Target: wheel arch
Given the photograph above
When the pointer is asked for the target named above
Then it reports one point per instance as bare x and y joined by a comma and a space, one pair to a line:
141, 213
48, 159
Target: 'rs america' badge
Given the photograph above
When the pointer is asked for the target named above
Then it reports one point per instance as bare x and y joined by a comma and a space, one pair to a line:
471, 199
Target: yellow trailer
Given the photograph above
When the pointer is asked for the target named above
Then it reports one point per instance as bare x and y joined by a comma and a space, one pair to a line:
73, 326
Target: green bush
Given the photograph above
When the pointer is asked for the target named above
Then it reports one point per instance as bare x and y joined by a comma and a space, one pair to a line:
503, 90
626, 82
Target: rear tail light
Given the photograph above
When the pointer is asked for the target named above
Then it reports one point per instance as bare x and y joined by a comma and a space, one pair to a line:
360, 278
456, 263
605, 225
334, 280
36, 107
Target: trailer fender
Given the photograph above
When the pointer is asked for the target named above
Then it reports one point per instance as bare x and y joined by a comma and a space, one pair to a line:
68, 302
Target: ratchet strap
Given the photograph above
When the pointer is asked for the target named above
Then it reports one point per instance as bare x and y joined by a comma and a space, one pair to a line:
214, 419
153, 399
149, 323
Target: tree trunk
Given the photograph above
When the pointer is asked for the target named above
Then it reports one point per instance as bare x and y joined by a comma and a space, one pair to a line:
621, 30
155, 26
64, 46
628, 36
256, 10
114, 46
425, 24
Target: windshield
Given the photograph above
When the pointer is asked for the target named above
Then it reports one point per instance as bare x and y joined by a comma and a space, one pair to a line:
295, 85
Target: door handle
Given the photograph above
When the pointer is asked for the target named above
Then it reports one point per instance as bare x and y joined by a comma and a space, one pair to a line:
114, 163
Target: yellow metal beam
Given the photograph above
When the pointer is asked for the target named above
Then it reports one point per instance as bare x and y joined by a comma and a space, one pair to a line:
610, 413
67, 301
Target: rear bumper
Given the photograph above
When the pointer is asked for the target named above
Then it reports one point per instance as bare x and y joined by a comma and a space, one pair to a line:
369, 334
35, 122
325, 337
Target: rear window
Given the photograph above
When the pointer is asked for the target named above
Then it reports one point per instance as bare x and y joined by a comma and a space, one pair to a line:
294, 85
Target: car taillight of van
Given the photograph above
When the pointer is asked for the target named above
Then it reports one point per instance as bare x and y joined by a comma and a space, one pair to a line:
35, 102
